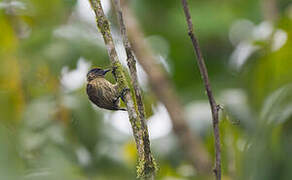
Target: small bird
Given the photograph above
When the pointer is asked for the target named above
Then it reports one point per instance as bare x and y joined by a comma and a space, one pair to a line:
101, 92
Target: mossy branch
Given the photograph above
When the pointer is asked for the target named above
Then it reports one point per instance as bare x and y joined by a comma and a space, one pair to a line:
146, 165
131, 61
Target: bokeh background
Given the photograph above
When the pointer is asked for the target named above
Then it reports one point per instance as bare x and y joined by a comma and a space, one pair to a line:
50, 130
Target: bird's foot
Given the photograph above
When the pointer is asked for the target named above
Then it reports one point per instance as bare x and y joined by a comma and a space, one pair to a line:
114, 72
124, 92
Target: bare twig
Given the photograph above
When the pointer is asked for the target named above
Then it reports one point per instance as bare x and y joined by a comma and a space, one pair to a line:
204, 74
144, 167
133, 72
164, 91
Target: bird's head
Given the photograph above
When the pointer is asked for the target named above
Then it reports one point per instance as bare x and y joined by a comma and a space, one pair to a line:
95, 73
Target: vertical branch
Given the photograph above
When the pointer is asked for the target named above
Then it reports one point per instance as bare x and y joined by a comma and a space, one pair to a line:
145, 168
204, 74
164, 91
131, 61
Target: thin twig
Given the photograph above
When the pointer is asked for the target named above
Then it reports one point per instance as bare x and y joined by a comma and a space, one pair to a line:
204, 74
164, 90
144, 167
131, 61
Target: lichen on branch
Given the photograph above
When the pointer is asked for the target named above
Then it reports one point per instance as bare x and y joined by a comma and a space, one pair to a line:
146, 165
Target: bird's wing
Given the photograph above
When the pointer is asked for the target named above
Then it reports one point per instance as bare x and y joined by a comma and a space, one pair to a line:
92, 93
89, 89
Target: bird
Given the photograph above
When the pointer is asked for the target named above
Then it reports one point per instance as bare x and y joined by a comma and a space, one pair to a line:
103, 93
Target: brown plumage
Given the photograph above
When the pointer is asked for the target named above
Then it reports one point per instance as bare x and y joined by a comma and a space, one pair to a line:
101, 92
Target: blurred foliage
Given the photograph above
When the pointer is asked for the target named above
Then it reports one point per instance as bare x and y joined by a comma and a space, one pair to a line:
49, 131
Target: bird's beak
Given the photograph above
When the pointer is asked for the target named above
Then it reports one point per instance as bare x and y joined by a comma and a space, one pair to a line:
105, 71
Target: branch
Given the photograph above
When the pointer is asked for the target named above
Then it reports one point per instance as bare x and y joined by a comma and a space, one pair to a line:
204, 74
164, 91
145, 167
131, 61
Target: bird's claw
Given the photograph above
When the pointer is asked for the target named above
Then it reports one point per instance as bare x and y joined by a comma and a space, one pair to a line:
114, 68
124, 92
